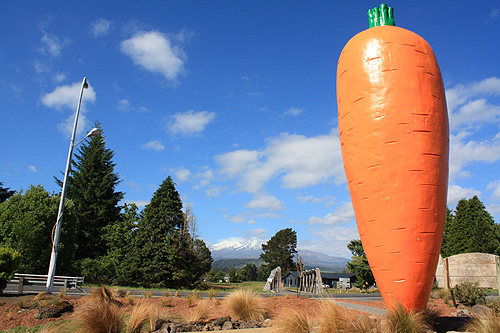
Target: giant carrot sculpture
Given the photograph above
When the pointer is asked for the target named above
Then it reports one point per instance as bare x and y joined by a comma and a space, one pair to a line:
394, 135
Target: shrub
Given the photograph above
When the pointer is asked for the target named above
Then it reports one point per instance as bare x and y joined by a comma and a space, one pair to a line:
493, 304
211, 293
246, 305
9, 262
292, 321
444, 294
469, 293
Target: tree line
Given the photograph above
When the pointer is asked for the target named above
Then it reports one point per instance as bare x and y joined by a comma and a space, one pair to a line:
469, 228
101, 239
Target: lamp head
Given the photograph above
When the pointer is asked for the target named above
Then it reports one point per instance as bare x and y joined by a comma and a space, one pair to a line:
85, 84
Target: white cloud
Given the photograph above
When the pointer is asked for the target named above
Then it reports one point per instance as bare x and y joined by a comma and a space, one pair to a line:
67, 96
328, 200
32, 168
66, 126
181, 174
330, 240
464, 152
190, 122
456, 192
265, 202
299, 160
124, 105
100, 27
235, 162
139, 203
495, 187
154, 52
342, 215
52, 44
153, 145
467, 104
293, 111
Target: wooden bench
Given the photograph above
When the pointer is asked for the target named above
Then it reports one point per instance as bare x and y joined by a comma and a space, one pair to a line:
66, 282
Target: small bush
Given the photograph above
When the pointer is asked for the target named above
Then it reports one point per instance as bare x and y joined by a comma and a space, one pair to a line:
444, 294
292, 321
246, 305
493, 304
9, 262
469, 293
211, 293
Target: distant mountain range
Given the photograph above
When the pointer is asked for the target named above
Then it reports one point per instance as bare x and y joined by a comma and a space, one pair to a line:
237, 249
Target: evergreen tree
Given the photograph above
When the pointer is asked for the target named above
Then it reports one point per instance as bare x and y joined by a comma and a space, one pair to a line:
359, 265
447, 244
471, 229
5, 193
159, 241
26, 224
280, 251
92, 187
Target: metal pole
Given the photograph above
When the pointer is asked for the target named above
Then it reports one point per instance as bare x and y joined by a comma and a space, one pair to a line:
55, 244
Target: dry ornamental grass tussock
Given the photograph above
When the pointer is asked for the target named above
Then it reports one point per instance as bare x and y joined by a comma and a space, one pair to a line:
293, 321
246, 305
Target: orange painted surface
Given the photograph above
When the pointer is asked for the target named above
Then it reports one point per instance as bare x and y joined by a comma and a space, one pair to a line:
393, 127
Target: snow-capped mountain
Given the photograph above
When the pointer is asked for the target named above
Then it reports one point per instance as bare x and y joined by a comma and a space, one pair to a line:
238, 248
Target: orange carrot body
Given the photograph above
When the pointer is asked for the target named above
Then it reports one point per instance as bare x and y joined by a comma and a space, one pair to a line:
393, 127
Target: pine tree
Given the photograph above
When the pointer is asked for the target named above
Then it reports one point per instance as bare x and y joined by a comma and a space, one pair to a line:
280, 251
5, 193
92, 187
159, 241
447, 243
471, 229
359, 265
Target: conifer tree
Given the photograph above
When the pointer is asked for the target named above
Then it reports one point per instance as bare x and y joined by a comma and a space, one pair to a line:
280, 251
470, 229
159, 241
5, 193
92, 187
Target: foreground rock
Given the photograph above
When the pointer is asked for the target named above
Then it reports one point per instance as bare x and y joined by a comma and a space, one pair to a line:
221, 323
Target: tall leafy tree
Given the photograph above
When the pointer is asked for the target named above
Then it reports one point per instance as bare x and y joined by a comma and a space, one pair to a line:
280, 251
470, 229
92, 187
359, 265
26, 223
5, 193
118, 266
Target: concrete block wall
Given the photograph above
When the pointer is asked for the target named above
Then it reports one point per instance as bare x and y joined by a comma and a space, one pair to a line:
481, 267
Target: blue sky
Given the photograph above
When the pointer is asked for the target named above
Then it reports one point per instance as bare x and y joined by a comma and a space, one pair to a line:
235, 100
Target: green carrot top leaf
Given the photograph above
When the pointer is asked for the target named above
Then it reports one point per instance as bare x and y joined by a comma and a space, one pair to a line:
381, 16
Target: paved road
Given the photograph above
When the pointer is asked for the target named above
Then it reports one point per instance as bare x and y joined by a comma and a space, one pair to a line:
12, 288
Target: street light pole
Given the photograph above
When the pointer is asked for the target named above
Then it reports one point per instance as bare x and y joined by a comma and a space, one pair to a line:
55, 242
